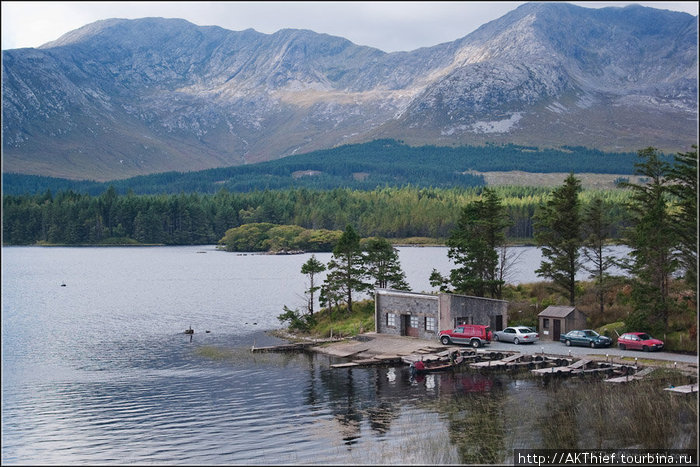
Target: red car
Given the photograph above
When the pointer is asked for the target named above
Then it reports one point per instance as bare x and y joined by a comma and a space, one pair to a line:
639, 341
471, 334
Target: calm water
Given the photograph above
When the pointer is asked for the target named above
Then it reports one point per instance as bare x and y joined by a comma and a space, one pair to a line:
99, 370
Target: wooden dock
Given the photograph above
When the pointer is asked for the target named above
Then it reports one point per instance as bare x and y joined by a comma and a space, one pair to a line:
468, 355
287, 347
497, 363
687, 389
374, 361
635, 376
585, 367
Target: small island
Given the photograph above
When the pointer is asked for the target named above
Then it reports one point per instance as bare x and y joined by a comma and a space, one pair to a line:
279, 239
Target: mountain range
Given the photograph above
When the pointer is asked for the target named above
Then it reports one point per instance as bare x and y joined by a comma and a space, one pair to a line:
119, 98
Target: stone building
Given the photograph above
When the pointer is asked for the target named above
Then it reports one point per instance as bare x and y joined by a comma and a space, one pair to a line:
424, 315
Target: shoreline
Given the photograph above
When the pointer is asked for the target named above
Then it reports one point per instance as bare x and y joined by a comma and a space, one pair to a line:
371, 344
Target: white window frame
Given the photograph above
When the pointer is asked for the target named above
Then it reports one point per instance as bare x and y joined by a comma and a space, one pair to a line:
430, 324
391, 320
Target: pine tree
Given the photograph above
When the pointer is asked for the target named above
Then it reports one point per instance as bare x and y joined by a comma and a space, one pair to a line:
596, 231
311, 268
557, 226
684, 185
653, 240
345, 269
382, 264
474, 247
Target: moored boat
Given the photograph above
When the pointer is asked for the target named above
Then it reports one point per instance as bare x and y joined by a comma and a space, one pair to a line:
436, 365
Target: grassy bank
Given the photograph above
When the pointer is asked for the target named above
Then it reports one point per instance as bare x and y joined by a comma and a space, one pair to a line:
333, 322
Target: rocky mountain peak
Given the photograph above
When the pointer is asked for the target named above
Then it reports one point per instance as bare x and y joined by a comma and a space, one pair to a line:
119, 97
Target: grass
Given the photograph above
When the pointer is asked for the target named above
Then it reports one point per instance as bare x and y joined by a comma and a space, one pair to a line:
639, 414
337, 322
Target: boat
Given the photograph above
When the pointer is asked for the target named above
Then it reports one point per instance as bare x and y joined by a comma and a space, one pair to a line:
189, 331
430, 366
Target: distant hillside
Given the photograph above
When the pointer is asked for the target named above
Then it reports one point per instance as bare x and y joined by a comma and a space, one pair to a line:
359, 166
120, 98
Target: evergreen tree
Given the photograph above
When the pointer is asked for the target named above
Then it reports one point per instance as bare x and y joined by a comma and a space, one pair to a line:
346, 273
557, 226
474, 247
311, 268
382, 264
438, 280
653, 240
596, 232
684, 185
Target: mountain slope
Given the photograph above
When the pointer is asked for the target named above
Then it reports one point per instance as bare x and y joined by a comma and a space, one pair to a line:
119, 98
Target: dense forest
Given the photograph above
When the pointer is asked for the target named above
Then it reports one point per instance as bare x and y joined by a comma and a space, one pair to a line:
67, 217
367, 166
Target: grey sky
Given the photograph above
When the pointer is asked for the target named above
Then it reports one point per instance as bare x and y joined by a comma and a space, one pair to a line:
389, 26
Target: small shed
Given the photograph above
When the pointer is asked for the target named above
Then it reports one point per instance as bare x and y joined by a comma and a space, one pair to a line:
557, 320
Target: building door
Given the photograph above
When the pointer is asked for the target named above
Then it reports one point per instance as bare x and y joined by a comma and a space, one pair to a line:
499, 323
410, 325
557, 329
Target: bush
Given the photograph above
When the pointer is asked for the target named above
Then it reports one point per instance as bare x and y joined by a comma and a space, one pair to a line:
679, 341
612, 330
297, 321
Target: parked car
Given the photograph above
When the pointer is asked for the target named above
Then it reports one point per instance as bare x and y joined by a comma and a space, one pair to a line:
475, 335
516, 335
585, 337
639, 341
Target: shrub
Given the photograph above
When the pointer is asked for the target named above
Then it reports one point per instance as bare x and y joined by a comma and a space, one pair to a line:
297, 321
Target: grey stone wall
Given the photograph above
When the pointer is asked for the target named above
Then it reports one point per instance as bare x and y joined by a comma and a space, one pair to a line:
403, 305
479, 310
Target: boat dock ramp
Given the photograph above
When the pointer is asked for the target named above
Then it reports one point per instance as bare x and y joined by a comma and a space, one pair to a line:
288, 347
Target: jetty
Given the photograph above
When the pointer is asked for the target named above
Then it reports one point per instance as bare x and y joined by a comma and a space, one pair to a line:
287, 347
584, 367
631, 375
510, 362
374, 361
686, 389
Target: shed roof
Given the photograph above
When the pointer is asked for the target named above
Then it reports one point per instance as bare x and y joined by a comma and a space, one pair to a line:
557, 311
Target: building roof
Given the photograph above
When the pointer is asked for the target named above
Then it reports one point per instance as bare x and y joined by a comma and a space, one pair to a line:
557, 311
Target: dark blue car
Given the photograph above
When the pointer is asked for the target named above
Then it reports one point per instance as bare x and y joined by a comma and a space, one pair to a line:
586, 338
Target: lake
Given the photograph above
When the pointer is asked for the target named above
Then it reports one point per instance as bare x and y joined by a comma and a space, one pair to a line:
97, 369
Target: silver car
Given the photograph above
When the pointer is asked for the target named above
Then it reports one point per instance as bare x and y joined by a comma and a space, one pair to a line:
516, 335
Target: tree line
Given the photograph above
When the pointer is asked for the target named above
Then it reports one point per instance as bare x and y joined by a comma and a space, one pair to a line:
67, 217
365, 166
